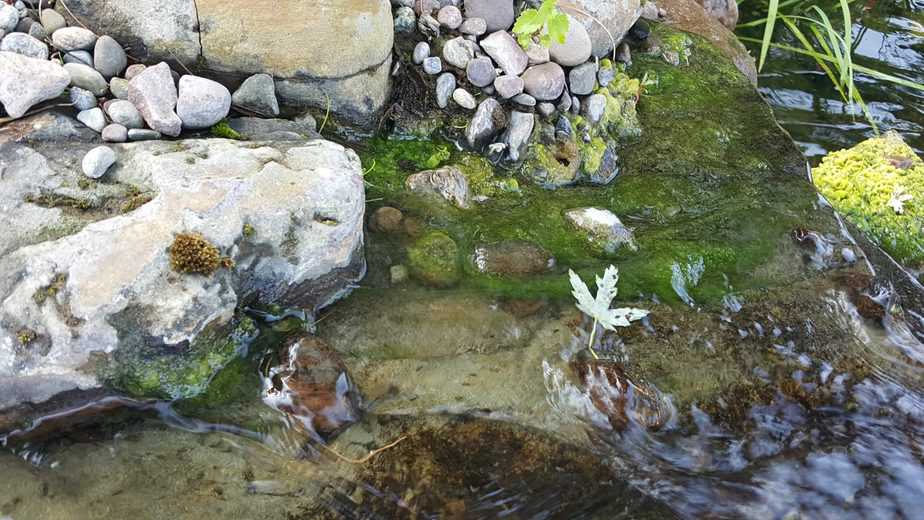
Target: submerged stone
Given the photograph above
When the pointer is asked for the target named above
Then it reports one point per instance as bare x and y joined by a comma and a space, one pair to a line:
512, 257
434, 259
311, 385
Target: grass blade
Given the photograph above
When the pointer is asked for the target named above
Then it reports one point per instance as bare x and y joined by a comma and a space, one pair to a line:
772, 14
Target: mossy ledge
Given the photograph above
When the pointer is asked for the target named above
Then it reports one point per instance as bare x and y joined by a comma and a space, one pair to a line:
712, 179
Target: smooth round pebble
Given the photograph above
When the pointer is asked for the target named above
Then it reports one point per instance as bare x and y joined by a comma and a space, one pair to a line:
134, 70
202, 102
421, 52
445, 85
480, 72
81, 57
433, 65
464, 99
93, 119
115, 133
125, 114
52, 20
86, 78
119, 88
82, 99
109, 57
450, 17
474, 26
73, 39
98, 161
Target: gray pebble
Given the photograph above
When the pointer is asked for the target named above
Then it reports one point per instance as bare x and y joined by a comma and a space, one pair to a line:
605, 76
405, 20
433, 65
575, 105
202, 102
138, 134
98, 161
450, 17
583, 78
564, 104
421, 52
82, 99
428, 26
594, 107
524, 100
73, 39
464, 99
508, 86
445, 85
474, 26
458, 52
119, 88
87, 78
115, 133
125, 114
109, 57
93, 119
38, 32
52, 20
480, 72
257, 94
545, 108
81, 57
9, 18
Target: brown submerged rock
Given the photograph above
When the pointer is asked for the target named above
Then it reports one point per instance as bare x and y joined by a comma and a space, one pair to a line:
312, 385
516, 257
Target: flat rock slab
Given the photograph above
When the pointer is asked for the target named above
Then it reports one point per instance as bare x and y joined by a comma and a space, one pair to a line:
289, 216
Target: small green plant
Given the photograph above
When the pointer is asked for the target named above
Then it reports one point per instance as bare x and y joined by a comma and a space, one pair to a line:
831, 47
598, 307
545, 25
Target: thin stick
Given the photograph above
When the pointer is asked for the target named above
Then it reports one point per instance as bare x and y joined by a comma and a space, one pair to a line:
368, 457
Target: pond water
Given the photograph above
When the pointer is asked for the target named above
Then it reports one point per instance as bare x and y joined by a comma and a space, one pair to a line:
889, 37
787, 384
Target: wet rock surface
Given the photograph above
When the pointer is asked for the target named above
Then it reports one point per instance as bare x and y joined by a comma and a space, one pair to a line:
85, 311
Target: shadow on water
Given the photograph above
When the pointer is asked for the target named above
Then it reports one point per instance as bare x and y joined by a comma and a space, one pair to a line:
889, 37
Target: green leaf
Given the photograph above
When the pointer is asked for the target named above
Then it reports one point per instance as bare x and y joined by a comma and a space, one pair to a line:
547, 8
558, 27
528, 23
545, 40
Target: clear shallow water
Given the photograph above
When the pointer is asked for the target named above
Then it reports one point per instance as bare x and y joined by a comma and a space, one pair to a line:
821, 419
889, 37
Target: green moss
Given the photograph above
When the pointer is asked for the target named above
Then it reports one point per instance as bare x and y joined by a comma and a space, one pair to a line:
223, 130
248, 231
861, 182
592, 153
710, 177
434, 259
480, 175
151, 371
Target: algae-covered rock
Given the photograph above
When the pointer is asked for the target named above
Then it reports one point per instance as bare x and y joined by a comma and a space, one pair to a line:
94, 289
434, 259
879, 186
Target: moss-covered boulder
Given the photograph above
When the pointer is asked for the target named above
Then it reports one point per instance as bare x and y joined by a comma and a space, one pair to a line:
879, 186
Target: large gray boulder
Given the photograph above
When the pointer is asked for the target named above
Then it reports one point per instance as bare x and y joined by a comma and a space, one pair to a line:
86, 281
337, 56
